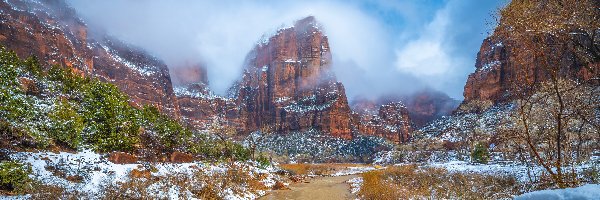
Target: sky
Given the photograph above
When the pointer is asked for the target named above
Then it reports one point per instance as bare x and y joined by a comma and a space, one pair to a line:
379, 47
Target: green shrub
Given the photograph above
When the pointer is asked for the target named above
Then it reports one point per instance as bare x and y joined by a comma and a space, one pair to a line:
14, 106
263, 160
480, 153
9, 63
170, 133
70, 83
109, 118
32, 66
218, 150
66, 125
205, 148
86, 111
239, 152
14, 177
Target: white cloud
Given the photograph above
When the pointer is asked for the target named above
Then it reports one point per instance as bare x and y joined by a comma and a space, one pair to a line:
439, 55
423, 58
428, 55
220, 34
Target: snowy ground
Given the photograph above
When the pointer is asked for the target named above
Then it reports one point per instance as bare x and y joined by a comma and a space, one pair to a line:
518, 171
96, 172
521, 172
585, 192
454, 162
355, 184
354, 170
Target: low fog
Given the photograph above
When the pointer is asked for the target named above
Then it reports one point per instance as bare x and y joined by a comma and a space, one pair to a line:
379, 47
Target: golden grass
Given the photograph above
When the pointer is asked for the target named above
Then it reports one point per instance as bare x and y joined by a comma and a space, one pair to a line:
412, 182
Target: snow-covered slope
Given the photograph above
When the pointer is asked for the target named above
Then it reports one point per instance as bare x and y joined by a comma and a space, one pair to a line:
91, 176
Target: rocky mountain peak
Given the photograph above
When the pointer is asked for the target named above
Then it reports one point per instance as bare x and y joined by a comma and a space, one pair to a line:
287, 83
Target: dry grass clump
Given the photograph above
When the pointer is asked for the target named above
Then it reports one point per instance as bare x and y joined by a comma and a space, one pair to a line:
199, 185
50, 192
412, 182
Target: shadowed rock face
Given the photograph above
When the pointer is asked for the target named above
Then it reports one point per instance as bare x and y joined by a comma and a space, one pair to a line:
51, 31
200, 107
287, 84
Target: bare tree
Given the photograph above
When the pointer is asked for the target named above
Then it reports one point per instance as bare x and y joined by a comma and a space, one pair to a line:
556, 132
258, 137
555, 120
220, 129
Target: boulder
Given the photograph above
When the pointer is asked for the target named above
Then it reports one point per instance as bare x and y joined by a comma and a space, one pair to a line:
122, 158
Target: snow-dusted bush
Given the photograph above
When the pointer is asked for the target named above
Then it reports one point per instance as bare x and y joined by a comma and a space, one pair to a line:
66, 125
480, 153
53, 106
110, 121
212, 149
14, 177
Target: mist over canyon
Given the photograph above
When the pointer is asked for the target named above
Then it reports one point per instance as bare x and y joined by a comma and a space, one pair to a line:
380, 47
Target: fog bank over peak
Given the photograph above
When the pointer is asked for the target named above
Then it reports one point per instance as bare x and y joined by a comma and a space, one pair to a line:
378, 47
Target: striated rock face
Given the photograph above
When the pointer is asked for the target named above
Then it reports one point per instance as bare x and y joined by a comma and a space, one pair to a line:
144, 78
500, 72
287, 84
490, 80
390, 121
200, 107
51, 31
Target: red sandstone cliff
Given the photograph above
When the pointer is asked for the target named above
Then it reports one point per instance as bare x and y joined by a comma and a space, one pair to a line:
51, 31
526, 49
